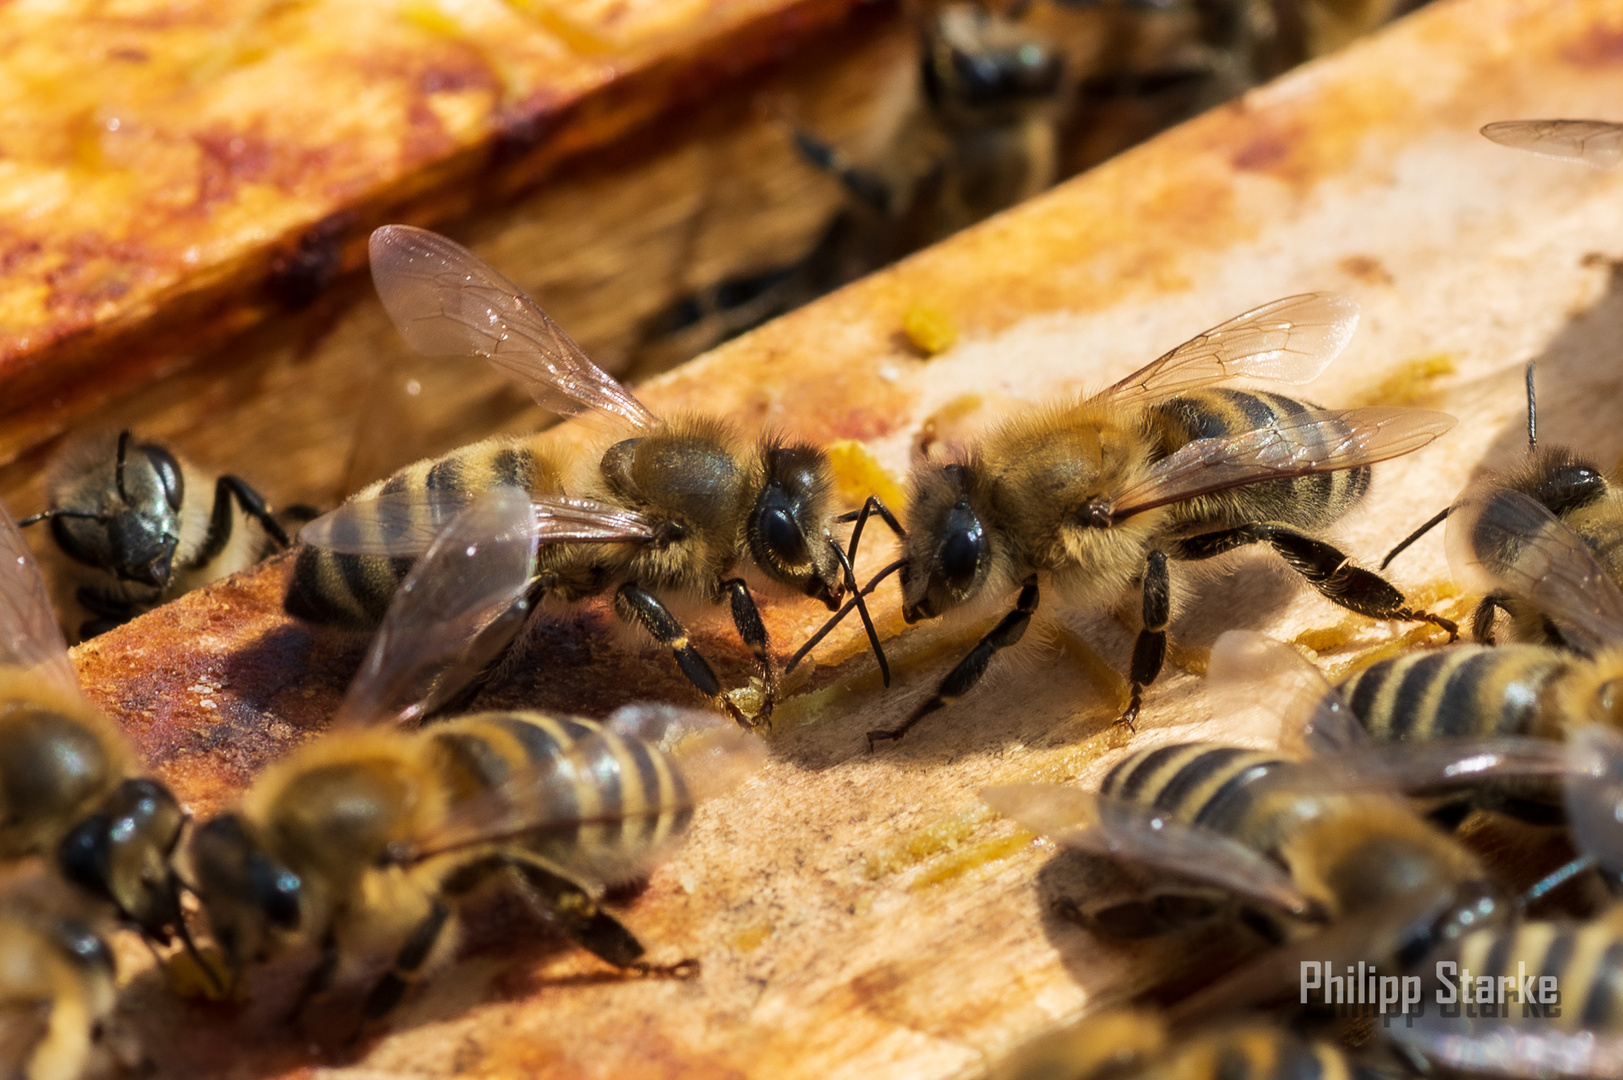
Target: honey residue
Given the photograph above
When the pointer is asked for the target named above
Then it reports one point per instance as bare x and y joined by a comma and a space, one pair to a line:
1409, 382
975, 855
943, 835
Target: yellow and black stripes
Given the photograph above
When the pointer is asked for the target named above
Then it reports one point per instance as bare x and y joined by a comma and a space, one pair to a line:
1584, 959
354, 591
1254, 1052
1307, 502
1467, 692
1195, 783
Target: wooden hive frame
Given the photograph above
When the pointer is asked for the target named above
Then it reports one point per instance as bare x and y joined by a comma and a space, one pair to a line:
861, 914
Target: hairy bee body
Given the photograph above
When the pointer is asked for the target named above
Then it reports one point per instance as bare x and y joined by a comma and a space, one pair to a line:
1124, 1045
147, 525
337, 588
354, 840
72, 793
56, 988
1351, 852
1584, 958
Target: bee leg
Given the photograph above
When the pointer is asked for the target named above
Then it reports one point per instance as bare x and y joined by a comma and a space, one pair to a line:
568, 907
871, 189
1150, 647
1483, 617
637, 605
388, 990
961, 679
1324, 567
229, 489
752, 631
319, 979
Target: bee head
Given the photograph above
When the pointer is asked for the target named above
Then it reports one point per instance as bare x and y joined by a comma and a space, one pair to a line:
787, 531
126, 517
1561, 482
250, 897
948, 550
974, 62
124, 852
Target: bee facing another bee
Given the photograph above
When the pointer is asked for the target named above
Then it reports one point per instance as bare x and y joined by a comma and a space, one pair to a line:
674, 507
367, 839
135, 514
1101, 496
72, 791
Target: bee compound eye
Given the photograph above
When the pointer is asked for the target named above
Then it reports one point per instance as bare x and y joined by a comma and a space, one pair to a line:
962, 549
168, 473
783, 536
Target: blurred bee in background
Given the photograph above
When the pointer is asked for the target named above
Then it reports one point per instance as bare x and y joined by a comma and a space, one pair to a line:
1125, 1044
367, 839
674, 507
1101, 495
1580, 502
72, 791
134, 513
975, 130
56, 981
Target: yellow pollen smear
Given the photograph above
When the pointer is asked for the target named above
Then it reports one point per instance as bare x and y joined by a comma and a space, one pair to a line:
858, 474
929, 329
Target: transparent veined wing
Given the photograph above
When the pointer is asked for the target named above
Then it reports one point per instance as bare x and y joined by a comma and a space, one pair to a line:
1503, 541
1117, 829
1257, 683
403, 524
1315, 441
457, 609
1594, 794
610, 805
1593, 142
30, 638
1290, 340
446, 301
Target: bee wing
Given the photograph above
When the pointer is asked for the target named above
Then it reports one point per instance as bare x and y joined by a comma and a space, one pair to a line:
1413, 767
1593, 142
1534, 1049
1315, 441
1257, 682
446, 301
30, 637
1116, 829
457, 609
1594, 794
609, 807
1504, 541
1290, 341
403, 524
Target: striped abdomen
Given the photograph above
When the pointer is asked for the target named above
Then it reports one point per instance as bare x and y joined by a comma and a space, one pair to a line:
1469, 691
1308, 502
1585, 959
588, 802
1204, 784
353, 591
1253, 1052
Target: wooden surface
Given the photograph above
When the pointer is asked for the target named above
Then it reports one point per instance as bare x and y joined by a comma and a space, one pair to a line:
859, 914
173, 173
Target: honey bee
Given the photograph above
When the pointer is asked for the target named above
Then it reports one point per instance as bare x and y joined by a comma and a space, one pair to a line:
1593, 142
1100, 496
673, 508
1505, 543
365, 840
976, 132
1579, 499
1127, 1044
56, 981
133, 513
72, 791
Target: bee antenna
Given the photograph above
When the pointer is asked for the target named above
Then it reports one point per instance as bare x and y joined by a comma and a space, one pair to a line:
1417, 534
839, 616
1532, 409
118, 471
862, 610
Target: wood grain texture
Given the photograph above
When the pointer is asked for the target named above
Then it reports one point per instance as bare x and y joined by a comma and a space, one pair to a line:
858, 914
172, 173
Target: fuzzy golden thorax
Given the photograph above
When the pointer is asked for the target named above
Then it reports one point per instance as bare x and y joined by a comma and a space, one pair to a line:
1036, 495
1591, 692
